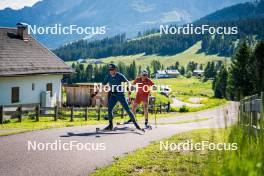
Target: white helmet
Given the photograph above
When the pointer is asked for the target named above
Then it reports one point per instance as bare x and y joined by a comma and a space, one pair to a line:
144, 73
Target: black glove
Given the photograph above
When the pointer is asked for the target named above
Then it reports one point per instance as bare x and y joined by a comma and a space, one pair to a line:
93, 94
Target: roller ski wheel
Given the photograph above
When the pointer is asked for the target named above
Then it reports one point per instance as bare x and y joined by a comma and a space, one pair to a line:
149, 127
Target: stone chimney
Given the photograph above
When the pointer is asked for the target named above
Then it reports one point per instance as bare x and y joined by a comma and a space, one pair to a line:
22, 31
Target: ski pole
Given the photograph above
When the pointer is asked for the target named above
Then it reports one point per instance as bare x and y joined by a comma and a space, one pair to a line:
155, 111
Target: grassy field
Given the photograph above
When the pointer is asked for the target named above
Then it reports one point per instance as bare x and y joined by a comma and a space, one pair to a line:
183, 58
187, 86
244, 160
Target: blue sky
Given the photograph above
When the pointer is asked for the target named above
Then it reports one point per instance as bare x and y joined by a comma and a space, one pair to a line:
16, 4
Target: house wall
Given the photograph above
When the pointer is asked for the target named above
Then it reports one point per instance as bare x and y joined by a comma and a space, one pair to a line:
26, 94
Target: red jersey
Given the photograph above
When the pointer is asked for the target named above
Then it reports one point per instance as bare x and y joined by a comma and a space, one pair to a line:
143, 86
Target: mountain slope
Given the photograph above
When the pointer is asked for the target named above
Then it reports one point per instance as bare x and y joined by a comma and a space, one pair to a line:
117, 15
236, 12
250, 26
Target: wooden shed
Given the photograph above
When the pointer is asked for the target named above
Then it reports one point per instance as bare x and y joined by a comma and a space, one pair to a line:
80, 95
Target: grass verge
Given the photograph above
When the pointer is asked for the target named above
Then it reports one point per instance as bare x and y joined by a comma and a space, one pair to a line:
27, 124
186, 121
247, 160
153, 161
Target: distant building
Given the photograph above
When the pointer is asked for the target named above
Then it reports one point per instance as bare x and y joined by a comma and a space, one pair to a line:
161, 74
29, 72
198, 73
167, 74
81, 60
98, 62
173, 73
95, 61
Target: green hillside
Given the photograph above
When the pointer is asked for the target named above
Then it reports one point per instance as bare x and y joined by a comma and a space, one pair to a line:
188, 55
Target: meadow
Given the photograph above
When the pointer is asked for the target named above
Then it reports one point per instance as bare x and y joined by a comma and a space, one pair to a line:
186, 89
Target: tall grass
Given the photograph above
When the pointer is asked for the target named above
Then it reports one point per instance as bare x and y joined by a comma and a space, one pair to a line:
247, 160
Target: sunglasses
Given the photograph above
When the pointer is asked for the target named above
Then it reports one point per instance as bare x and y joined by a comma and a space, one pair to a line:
111, 69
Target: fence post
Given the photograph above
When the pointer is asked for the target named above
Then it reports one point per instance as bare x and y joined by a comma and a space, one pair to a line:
168, 107
251, 113
37, 111
55, 113
1, 114
99, 113
86, 114
262, 110
241, 110
155, 109
71, 114
122, 113
20, 113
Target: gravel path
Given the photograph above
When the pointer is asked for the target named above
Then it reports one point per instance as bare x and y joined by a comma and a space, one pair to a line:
178, 103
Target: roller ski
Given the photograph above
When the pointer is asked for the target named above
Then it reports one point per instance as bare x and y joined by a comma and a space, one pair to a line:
130, 121
106, 129
149, 127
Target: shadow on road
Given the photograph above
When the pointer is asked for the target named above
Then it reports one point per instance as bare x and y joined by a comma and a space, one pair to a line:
123, 130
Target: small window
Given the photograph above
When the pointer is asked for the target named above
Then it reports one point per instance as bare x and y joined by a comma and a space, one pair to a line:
33, 86
49, 88
15, 95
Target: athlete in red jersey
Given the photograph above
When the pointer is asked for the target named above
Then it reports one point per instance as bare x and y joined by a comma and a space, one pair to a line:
144, 85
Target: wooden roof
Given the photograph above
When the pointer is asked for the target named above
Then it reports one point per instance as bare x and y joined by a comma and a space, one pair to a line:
19, 57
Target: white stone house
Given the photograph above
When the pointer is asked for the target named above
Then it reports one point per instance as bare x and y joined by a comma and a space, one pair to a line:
198, 73
167, 74
29, 72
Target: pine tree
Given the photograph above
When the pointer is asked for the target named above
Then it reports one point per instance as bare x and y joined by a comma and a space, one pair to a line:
257, 67
230, 88
149, 72
220, 83
240, 71
177, 64
89, 73
182, 70
139, 70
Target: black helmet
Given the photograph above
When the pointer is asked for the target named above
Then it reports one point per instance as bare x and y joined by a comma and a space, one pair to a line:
112, 66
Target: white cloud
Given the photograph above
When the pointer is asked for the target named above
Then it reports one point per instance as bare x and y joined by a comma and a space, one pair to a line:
175, 16
141, 6
16, 4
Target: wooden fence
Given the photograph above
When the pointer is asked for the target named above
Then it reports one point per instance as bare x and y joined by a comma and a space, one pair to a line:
251, 112
36, 112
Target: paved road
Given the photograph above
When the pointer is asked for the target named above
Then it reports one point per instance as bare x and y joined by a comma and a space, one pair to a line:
16, 159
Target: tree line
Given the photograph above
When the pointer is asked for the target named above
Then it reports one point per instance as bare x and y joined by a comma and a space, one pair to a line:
95, 73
